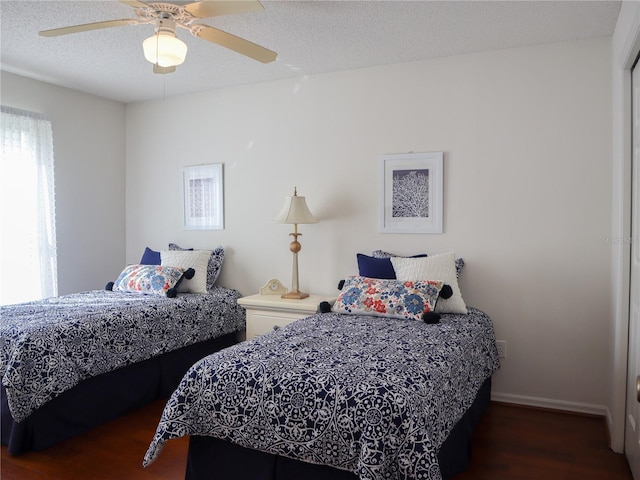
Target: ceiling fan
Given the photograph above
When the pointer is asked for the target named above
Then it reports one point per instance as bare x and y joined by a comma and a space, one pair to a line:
164, 49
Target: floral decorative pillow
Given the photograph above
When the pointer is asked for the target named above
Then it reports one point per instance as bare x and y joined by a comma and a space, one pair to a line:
388, 298
150, 280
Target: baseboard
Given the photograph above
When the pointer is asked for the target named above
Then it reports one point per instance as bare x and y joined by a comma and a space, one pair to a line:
575, 407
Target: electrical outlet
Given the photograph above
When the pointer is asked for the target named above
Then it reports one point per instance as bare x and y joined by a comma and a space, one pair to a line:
502, 348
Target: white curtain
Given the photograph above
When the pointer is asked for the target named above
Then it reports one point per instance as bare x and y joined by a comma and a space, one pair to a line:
27, 208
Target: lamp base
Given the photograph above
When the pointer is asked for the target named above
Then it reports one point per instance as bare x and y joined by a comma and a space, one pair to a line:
295, 295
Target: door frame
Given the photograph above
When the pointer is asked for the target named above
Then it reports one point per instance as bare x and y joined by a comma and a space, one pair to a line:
632, 429
625, 50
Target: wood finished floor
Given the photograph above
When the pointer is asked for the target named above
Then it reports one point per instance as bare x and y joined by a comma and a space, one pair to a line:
511, 443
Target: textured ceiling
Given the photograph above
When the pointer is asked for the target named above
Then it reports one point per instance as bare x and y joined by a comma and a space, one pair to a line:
310, 37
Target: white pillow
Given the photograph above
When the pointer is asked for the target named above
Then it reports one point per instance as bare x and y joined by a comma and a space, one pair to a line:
196, 259
437, 267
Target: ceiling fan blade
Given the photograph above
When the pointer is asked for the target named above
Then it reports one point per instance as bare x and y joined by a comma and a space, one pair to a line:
163, 70
237, 44
215, 8
134, 3
88, 26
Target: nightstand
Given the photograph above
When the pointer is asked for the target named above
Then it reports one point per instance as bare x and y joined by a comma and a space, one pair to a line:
264, 312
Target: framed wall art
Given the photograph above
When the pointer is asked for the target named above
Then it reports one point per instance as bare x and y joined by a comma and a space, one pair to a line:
411, 193
203, 198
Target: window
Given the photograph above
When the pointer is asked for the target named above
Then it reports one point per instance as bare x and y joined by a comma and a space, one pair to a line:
27, 210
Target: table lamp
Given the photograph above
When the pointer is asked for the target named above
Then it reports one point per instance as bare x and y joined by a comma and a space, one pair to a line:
294, 212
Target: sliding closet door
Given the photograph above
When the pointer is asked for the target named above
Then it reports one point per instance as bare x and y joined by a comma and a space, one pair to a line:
632, 427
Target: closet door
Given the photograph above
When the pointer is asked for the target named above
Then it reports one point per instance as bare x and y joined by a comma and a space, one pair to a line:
632, 427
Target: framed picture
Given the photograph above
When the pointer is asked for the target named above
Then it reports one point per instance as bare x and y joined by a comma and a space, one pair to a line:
203, 197
411, 193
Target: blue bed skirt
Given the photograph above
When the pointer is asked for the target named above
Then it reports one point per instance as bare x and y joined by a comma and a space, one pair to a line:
103, 398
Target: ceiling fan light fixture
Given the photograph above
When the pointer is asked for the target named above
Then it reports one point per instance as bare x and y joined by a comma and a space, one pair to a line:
164, 49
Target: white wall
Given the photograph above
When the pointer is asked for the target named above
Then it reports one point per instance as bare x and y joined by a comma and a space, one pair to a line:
527, 140
89, 154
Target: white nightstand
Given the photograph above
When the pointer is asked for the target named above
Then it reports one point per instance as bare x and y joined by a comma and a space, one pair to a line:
264, 312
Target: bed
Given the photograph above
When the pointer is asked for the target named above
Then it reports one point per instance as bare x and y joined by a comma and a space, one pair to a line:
72, 362
373, 389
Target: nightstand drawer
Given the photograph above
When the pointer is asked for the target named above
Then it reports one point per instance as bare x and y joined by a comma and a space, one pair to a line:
259, 322
264, 312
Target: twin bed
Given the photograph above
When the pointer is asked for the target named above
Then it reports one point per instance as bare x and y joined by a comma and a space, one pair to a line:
387, 383
356, 393
72, 362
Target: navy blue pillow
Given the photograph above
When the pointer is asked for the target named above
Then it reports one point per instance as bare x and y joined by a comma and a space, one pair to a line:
379, 267
150, 257
375, 267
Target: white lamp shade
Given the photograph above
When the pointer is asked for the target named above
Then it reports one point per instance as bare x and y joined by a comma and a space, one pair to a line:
295, 211
165, 50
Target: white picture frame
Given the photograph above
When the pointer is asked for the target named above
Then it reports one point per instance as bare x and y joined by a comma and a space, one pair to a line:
203, 197
411, 193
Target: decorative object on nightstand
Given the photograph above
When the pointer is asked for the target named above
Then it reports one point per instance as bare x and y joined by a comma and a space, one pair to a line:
295, 211
273, 287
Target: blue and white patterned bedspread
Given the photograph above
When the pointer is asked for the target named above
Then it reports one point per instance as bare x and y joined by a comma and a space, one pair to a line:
49, 346
372, 395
